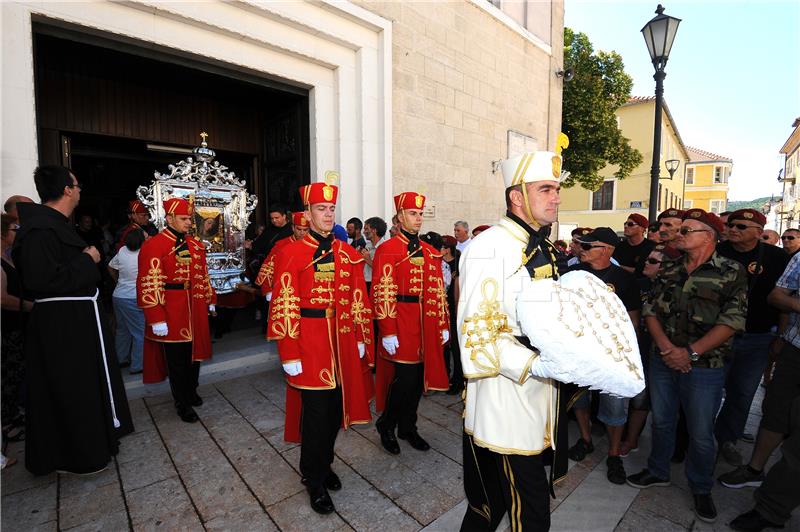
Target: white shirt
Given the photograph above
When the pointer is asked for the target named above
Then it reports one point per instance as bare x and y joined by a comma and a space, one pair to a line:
126, 262
461, 246
371, 249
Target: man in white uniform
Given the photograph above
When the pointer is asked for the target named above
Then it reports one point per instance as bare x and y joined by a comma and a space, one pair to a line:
510, 417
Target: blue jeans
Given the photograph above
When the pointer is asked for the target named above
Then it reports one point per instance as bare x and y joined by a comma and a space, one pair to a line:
742, 376
700, 393
130, 332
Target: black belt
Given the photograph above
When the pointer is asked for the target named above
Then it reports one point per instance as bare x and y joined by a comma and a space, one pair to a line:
407, 299
176, 286
317, 312
525, 342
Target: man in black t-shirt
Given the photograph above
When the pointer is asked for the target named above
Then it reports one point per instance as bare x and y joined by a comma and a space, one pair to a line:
596, 250
634, 248
752, 349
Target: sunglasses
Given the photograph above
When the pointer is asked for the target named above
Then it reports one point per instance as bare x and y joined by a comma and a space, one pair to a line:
741, 227
788, 237
687, 230
76, 185
630, 224
651, 260
587, 247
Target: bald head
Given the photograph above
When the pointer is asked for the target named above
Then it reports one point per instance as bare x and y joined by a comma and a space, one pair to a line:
10, 206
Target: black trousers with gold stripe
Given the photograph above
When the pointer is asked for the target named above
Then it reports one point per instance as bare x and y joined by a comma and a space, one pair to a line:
499, 483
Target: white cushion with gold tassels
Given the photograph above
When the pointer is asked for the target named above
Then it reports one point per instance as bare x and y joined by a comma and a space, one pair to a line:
583, 332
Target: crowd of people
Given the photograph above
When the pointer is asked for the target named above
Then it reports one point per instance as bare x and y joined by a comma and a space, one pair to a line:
385, 311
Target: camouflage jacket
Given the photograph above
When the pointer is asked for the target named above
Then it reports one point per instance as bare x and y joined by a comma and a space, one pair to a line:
690, 305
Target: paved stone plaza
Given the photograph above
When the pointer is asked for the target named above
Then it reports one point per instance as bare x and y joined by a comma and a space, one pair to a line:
233, 471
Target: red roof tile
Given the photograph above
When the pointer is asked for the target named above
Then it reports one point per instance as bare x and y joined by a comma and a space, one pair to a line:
697, 155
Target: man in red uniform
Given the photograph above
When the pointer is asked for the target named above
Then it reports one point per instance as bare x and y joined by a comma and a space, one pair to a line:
321, 318
410, 305
139, 219
174, 291
265, 273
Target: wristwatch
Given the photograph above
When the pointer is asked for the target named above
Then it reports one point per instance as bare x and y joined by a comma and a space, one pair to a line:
694, 356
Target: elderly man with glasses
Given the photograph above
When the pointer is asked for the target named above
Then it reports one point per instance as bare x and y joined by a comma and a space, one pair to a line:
596, 250
763, 265
791, 241
698, 303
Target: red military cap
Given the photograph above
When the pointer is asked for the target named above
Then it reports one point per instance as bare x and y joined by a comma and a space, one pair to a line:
708, 218
319, 193
480, 229
450, 241
136, 207
751, 215
177, 206
639, 220
299, 219
581, 231
673, 213
409, 200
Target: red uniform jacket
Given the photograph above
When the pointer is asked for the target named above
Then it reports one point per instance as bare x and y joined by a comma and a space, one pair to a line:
410, 302
265, 273
325, 345
173, 287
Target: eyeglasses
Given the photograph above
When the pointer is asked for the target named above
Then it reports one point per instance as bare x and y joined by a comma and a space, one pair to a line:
765, 237
651, 260
587, 247
787, 237
742, 227
630, 224
76, 185
687, 230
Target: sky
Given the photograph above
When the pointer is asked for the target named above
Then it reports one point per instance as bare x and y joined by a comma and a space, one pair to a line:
733, 75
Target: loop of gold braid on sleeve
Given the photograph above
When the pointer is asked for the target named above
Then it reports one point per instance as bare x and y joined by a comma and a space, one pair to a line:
361, 314
266, 272
386, 295
286, 310
441, 299
484, 327
152, 285
581, 300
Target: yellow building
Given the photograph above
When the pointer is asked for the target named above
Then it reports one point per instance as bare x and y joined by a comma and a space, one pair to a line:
789, 209
707, 181
615, 200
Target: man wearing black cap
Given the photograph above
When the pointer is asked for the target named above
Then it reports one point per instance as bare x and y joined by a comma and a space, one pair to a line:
764, 265
596, 250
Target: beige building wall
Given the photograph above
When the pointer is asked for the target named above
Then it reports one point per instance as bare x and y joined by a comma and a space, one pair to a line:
464, 74
632, 193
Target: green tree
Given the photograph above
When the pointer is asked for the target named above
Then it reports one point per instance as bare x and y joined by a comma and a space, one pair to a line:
599, 88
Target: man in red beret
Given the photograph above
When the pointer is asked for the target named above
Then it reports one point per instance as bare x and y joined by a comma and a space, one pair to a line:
696, 306
764, 265
174, 290
321, 319
669, 223
411, 308
634, 248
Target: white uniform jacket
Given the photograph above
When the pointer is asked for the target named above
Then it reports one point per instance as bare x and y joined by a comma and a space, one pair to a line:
507, 410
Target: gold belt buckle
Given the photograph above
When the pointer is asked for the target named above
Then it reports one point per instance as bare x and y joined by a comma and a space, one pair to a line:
330, 312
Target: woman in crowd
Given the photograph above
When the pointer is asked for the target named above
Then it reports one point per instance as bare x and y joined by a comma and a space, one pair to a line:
13, 362
124, 268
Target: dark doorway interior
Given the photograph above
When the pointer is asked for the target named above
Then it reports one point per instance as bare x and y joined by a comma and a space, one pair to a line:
113, 116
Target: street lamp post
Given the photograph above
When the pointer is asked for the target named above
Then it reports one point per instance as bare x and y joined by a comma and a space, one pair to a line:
659, 35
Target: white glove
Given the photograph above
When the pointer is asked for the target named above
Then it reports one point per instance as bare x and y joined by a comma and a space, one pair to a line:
390, 343
445, 336
160, 329
293, 369
212, 308
361, 350
268, 297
